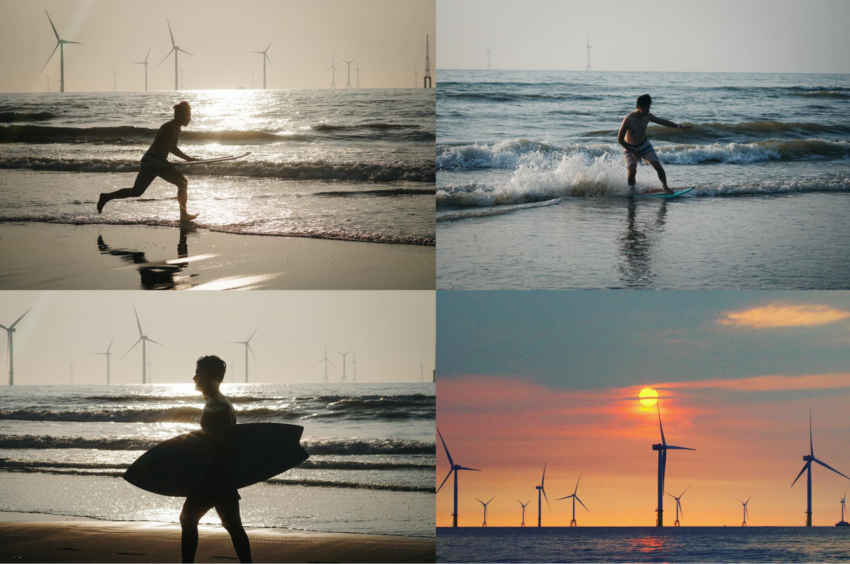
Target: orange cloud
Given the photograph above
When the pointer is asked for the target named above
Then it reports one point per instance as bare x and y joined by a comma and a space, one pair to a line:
770, 383
773, 316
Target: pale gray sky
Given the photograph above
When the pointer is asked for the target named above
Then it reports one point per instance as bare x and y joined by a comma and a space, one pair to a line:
808, 36
387, 35
391, 332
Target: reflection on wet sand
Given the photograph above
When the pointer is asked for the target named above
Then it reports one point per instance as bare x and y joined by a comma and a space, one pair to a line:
636, 246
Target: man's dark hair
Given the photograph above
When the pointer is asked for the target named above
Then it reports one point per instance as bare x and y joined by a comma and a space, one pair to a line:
213, 366
182, 108
644, 101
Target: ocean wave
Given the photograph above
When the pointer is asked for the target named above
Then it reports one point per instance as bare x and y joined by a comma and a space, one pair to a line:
315, 483
380, 193
122, 398
501, 210
737, 132
504, 154
16, 117
517, 96
27, 465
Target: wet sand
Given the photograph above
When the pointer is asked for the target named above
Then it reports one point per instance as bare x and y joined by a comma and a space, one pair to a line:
54, 539
45, 256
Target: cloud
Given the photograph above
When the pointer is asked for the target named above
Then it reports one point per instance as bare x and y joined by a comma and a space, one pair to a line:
772, 316
770, 383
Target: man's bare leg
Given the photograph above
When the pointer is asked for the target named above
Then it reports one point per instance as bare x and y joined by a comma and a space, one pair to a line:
632, 173
662, 176
183, 199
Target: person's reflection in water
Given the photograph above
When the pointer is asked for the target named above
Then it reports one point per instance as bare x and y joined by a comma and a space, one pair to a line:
636, 246
183, 244
155, 276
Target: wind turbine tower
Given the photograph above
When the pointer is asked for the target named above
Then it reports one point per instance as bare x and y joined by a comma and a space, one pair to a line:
10, 346
744, 503
421, 371
61, 45
115, 80
182, 83
809, 458
344, 379
587, 68
523, 511
575, 497
354, 364
176, 50
247, 348
150, 371
332, 67
107, 354
843, 523
142, 339
145, 62
540, 490
358, 74
72, 373
416, 77
426, 83
485, 508
662, 449
454, 468
266, 57
487, 56
679, 506
326, 361
348, 84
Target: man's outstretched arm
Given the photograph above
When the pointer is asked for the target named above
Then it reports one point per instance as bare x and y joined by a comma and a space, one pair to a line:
666, 123
181, 154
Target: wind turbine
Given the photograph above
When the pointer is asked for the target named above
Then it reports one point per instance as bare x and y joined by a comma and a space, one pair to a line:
421, 371
265, 55
843, 523
115, 79
61, 46
144, 340
415, 77
587, 68
107, 354
358, 74
247, 348
150, 371
454, 468
333, 76
326, 361
354, 363
575, 497
662, 467
487, 56
10, 331
679, 506
72, 373
809, 458
344, 379
485, 508
523, 511
348, 84
540, 501
145, 62
744, 503
174, 49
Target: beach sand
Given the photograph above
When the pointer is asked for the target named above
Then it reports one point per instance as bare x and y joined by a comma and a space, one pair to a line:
42, 256
56, 538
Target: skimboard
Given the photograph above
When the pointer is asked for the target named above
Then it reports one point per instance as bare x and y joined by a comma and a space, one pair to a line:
205, 161
176, 466
662, 194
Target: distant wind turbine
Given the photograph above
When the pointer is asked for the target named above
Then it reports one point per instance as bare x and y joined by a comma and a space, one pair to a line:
587, 68
843, 523
144, 340
540, 490
72, 373
326, 361
333, 76
145, 62
523, 511
265, 55
575, 497
61, 46
247, 348
485, 508
421, 371
107, 354
10, 346
354, 365
662, 449
416, 77
679, 505
344, 379
487, 56
454, 468
744, 503
115, 79
358, 74
174, 49
809, 458
348, 84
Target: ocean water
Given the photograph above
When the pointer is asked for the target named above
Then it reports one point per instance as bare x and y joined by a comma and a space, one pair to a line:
523, 155
63, 450
337, 164
644, 544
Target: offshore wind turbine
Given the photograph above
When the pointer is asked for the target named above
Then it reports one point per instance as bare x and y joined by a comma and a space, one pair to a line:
174, 49
358, 74
10, 331
415, 77
744, 503
809, 458
421, 371
587, 68
679, 505
72, 373
115, 79
354, 364
247, 348
107, 354
843, 523
485, 508
487, 56
662, 449
144, 340
539, 500
326, 361
575, 497
344, 379
61, 46
348, 84
333, 76
265, 55
454, 468
145, 62
523, 511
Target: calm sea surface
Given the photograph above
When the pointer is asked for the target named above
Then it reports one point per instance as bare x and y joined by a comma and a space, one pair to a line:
63, 450
644, 544
531, 182
337, 164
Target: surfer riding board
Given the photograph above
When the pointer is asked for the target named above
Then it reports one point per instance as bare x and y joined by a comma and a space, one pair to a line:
155, 163
636, 145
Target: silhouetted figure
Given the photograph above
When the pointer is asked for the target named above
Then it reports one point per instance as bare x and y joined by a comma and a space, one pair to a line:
636, 145
154, 275
155, 163
216, 488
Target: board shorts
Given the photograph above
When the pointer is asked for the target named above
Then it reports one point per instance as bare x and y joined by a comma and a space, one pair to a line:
151, 167
646, 152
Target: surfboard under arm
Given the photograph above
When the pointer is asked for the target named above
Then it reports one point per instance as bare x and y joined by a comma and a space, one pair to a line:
205, 161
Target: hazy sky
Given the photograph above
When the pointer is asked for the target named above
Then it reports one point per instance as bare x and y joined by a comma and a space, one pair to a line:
528, 378
651, 35
388, 36
391, 332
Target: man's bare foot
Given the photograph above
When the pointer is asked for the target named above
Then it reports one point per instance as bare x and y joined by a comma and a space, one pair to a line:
101, 202
668, 191
187, 217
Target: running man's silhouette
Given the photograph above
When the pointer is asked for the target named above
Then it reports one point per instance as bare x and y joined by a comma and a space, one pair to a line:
216, 488
155, 163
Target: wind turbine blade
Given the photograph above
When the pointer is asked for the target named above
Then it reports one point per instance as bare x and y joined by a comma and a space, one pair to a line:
445, 447
171, 34
547, 499
683, 493
811, 445
148, 55
110, 346
56, 33
583, 505
270, 43
749, 498
252, 354
154, 342
254, 333
568, 497
544, 475
681, 509
679, 448
163, 60
491, 499
444, 481
187, 52
825, 465
663, 442
577, 481
21, 317
269, 60
321, 361
4, 327
806, 465
50, 57
128, 352
137, 321
465, 468
671, 495
479, 501
74, 42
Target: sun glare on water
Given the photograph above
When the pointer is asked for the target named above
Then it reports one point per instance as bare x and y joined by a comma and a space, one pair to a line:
648, 397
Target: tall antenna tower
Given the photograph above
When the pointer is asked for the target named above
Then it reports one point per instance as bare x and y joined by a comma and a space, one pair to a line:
587, 68
426, 82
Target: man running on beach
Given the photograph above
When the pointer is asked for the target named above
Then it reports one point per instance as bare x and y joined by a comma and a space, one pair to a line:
636, 145
216, 487
155, 163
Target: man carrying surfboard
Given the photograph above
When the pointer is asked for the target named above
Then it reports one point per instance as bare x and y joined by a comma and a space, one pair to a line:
636, 145
216, 487
155, 163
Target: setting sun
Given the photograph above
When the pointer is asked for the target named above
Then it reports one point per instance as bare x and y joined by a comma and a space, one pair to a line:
648, 397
